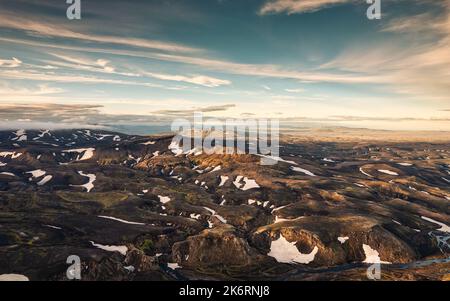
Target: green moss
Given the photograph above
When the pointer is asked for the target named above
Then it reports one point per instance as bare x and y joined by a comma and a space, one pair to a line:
146, 246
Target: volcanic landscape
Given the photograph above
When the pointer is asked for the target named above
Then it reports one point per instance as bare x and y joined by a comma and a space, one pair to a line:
140, 208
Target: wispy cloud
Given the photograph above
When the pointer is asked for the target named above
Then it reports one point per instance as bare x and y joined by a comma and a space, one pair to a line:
12, 63
186, 112
297, 6
201, 80
35, 27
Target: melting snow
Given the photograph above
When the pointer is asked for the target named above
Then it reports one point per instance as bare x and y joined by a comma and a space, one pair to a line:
372, 256
343, 239
37, 173
175, 148
85, 153
7, 174
217, 168
365, 173
164, 199
121, 249
195, 216
223, 180
444, 227
13, 155
286, 252
89, 185
45, 180
249, 184
53, 227
405, 164
120, 220
306, 172
173, 266
213, 212
42, 134
392, 173
20, 136
274, 158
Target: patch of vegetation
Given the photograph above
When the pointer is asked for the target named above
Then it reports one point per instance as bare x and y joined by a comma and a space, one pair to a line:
147, 246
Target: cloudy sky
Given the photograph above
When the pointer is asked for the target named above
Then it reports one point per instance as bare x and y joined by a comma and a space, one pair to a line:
147, 61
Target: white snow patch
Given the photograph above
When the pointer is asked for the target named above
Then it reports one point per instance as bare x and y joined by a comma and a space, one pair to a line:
249, 184
343, 239
444, 227
213, 212
278, 159
164, 199
388, 172
37, 173
174, 266
149, 143
121, 249
405, 164
7, 174
175, 148
120, 220
45, 180
13, 155
306, 172
365, 173
217, 168
195, 216
85, 153
53, 227
286, 252
372, 256
223, 180
89, 185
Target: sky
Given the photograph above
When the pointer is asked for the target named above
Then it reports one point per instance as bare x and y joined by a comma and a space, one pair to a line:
304, 62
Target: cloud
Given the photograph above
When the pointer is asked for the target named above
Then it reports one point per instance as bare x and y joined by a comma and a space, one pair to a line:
34, 27
187, 112
69, 78
13, 63
417, 68
43, 89
297, 6
260, 70
295, 90
201, 80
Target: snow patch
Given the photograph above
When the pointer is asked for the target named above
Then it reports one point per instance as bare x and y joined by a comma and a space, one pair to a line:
343, 239
372, 256
306, 172
444, 227
388, 172
120, 220
121, 249
286, 252
85, 153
